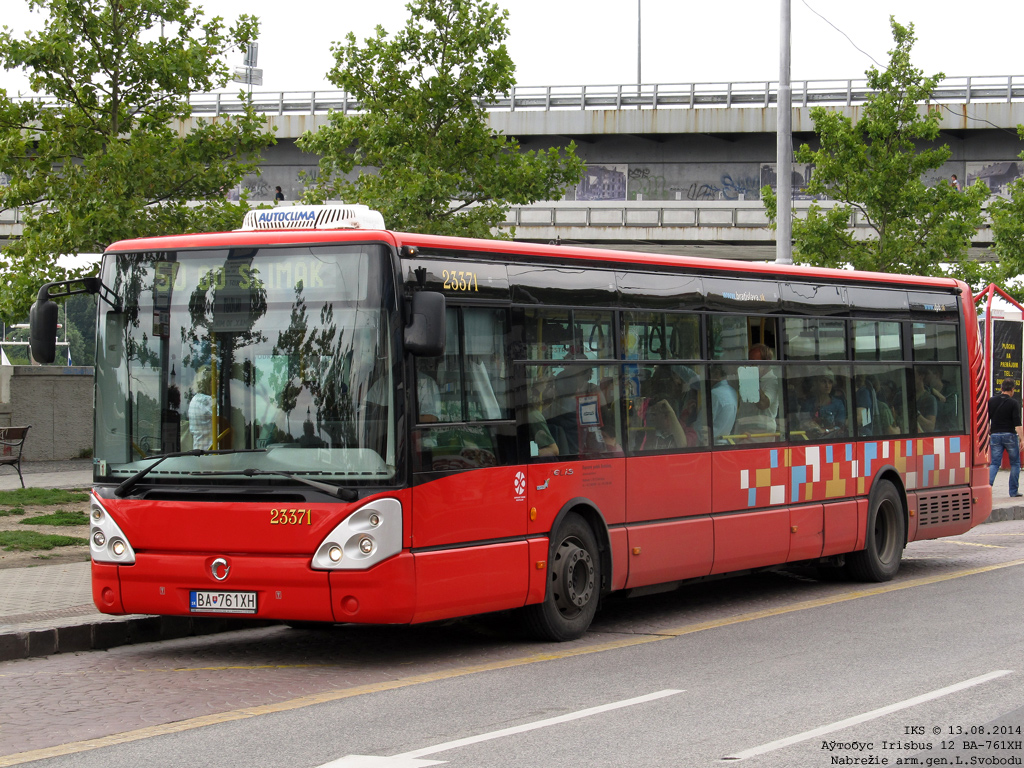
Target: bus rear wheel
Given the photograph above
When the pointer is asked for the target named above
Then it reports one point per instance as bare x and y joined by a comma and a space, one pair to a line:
886, 537
574, 584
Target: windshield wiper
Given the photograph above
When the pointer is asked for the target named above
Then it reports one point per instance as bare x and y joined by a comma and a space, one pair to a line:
338, 492
125, 488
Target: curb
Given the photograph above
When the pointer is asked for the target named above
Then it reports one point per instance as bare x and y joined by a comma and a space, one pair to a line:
103, 635
1000, 514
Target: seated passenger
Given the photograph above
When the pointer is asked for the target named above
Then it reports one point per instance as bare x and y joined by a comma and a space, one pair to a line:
760, 418
609, 432
724, 405
824, 412
947, 414
867, 403
888, 414
541, 395
666, 429
671, 408
926, 403
570, 384
428, 396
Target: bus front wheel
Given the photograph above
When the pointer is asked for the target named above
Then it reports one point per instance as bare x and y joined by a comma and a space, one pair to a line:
886, 537
574, 584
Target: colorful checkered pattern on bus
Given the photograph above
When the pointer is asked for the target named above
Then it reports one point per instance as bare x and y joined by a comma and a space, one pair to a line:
819, 472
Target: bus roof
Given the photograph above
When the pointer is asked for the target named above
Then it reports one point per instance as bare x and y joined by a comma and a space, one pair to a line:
509, 250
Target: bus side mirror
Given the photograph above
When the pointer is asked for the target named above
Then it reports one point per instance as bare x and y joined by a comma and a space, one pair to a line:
425, 333
42, 322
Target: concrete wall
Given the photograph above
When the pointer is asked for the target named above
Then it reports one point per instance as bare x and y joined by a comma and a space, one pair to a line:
57, 402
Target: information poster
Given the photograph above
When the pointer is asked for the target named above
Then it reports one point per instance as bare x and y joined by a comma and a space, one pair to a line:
1006, 353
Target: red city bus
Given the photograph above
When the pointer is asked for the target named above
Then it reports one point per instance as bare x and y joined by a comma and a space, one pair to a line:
314, 419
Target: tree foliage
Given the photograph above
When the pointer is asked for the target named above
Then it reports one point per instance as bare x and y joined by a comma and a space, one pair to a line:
424, 153
102, 160
1007, 219
874, 169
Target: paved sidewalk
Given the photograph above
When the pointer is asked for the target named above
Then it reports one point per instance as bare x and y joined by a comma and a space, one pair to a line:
48, 608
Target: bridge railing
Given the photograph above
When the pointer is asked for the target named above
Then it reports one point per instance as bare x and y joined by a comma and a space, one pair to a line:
721, 95
669, 216
641, 220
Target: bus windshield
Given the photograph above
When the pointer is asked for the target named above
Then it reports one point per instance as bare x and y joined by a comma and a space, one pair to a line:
282, 359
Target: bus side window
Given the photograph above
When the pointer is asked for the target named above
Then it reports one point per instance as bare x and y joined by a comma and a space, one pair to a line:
880, 400
670, 413
485, 367
818, 402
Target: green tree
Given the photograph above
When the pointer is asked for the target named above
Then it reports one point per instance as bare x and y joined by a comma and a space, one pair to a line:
425, 155
102, 160
874, 168
1007, 216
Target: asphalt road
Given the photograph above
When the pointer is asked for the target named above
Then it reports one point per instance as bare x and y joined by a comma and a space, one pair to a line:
779, 669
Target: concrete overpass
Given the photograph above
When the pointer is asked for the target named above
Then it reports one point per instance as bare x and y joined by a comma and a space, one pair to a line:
670, 166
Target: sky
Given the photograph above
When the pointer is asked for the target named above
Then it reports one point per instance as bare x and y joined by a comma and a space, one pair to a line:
568, 42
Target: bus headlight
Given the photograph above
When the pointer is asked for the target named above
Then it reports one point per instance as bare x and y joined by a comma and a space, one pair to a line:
366, 537
107, 542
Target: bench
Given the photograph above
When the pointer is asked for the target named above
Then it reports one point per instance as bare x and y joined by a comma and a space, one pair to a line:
12, 440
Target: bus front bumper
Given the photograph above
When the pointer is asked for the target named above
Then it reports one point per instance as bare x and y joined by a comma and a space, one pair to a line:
285, 587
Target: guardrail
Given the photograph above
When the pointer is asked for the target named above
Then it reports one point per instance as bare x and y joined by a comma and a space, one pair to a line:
669, 215
960, 90
647, 214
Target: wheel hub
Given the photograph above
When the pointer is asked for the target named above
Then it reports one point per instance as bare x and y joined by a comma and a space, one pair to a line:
575, 578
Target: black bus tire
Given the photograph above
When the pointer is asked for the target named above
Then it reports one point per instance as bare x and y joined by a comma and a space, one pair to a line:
886, 537
573, 587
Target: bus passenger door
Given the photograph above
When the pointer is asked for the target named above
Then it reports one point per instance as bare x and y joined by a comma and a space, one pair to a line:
469, 502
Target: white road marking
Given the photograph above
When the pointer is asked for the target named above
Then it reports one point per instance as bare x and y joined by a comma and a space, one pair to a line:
412, 759
873, 714
375, 761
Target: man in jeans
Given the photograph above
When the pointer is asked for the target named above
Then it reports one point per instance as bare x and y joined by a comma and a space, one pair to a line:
1005, 413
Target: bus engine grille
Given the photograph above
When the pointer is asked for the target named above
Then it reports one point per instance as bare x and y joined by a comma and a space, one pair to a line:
945, 507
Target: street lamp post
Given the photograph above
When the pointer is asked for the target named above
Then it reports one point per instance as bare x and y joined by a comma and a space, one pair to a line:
784, 145
639, 48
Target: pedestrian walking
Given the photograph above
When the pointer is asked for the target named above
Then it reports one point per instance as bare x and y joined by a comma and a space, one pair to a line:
954, 182
1005, 414
278, 195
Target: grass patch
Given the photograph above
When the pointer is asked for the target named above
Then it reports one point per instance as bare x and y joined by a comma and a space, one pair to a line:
12, 511
27, 541
60, 517
26, 497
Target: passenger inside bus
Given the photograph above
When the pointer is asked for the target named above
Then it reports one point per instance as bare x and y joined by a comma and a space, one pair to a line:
571, 383
758, 410
823, 410
926, 403
724, 405
670, 409
610, 431
541, 394
947, 412
866, 399
428, 396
